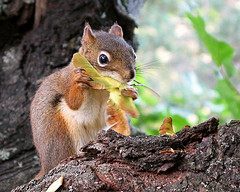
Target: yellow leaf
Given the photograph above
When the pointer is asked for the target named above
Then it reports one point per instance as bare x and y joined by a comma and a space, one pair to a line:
111, 85
82, 62
123, 102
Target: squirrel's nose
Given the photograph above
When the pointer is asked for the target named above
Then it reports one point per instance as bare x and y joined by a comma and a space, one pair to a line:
132, 73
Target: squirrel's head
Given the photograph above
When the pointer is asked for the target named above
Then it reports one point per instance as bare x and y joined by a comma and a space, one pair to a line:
109, 53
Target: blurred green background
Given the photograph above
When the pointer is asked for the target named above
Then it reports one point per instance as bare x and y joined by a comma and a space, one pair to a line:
195, 73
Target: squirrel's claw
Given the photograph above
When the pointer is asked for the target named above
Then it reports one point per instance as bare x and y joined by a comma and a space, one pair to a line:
79, 70
82, 78
130, 92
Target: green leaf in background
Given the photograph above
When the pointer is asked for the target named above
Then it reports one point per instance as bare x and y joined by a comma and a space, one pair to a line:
229, 96
229, 67
221, 52
179, 122
151, 131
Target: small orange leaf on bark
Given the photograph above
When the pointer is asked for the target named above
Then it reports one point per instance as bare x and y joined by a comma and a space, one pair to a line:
167, 128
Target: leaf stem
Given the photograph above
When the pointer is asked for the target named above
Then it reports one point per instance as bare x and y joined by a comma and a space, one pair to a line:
140, 84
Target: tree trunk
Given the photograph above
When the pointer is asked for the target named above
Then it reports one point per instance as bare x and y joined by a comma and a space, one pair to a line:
27, 55
201, 158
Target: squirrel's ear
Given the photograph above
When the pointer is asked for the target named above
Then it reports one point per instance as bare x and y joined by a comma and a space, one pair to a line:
88, 35
116, 30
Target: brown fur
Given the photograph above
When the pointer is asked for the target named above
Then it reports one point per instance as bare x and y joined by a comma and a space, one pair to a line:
66, 113
74, 97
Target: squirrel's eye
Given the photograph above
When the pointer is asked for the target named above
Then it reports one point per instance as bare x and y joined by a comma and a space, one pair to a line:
103, 58
134, 55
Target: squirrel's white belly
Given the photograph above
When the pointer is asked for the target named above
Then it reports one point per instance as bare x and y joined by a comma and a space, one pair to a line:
91, 117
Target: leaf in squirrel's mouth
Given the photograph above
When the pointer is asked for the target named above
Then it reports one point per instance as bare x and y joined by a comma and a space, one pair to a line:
113, 86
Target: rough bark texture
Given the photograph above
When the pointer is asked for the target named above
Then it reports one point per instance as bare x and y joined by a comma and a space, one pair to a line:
204, 158
27, 55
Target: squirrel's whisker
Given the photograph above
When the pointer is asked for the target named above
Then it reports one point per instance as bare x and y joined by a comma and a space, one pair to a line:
149, 88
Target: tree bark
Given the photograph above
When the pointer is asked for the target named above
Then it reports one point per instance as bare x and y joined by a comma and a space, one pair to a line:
28, 54
201, 158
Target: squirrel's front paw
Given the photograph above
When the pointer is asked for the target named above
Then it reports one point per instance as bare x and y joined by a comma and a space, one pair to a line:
130, 92
82, 78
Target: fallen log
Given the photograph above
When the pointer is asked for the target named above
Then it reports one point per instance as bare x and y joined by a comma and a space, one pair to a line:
201, 158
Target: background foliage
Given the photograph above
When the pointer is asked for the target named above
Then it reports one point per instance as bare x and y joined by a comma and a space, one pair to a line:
187, 55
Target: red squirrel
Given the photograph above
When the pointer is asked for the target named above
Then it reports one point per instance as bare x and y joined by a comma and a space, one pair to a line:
66, 112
